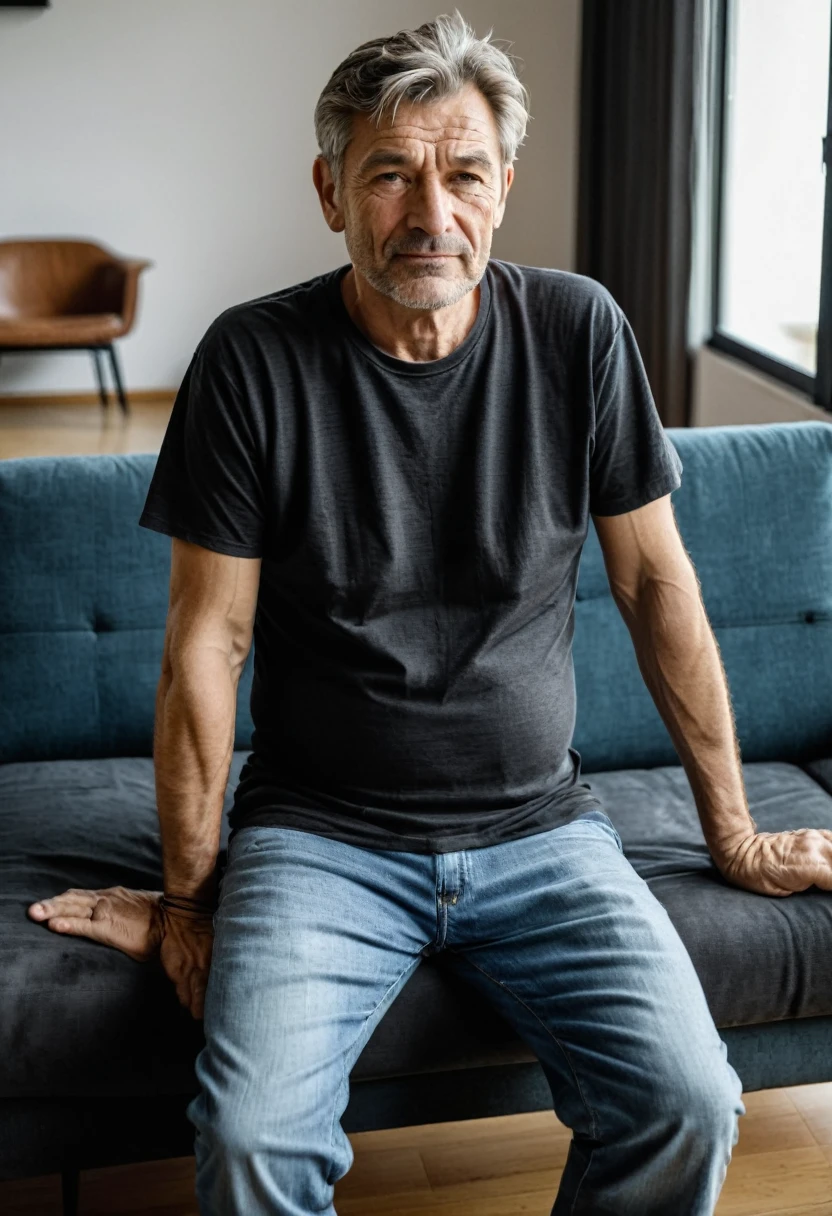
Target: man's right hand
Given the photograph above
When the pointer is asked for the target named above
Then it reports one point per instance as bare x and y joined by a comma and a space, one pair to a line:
134, 923
187, 945
115, 916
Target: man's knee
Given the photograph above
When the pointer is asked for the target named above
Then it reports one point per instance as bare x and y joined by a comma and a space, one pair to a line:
711, 1108
700, 1106
243, 1130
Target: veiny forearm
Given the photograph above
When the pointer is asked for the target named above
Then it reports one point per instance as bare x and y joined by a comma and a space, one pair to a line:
680, 662
193, 746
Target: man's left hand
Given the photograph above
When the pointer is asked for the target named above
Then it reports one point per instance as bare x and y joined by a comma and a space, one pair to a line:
778, 863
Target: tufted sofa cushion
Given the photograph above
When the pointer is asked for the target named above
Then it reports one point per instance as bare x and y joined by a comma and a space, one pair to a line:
79, 1018
84, 591
755, 514
83, 603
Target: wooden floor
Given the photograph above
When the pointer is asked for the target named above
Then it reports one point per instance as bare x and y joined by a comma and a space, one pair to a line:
507, 1166
36, 429
510, 1166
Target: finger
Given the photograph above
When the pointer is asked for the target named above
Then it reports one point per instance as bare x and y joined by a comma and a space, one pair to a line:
68, 903
62, 905
808, 858
824, 880
823, 875
79, 926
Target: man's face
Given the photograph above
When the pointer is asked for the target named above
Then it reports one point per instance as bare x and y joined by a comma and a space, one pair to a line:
408, 189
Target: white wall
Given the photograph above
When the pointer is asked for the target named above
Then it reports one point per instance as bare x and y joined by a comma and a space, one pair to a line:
181, 130
727, 392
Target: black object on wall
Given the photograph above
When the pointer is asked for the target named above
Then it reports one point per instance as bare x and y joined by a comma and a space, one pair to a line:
634, 192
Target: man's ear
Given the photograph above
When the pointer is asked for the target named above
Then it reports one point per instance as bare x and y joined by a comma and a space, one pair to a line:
501, 207
327, 194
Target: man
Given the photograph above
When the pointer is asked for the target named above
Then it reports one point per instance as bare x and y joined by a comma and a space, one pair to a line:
385, 474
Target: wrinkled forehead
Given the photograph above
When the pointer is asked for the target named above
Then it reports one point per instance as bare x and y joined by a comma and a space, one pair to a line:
463, 124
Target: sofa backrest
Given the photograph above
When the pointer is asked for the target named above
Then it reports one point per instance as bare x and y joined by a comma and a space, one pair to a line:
84, 595
83, 604
755, 513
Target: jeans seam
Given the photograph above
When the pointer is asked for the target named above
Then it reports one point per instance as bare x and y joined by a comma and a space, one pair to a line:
566, 1055
581, 1181
344, 1074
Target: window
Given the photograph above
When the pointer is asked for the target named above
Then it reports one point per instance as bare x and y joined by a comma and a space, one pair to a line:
772, 289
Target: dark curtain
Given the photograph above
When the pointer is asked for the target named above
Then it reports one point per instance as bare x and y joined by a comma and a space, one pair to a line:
635, 178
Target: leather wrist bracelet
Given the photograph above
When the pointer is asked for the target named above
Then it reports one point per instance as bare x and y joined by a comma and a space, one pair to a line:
189, 899
189, 907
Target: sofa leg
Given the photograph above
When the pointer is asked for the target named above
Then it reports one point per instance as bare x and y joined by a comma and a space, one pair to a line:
70, 1180
122, 400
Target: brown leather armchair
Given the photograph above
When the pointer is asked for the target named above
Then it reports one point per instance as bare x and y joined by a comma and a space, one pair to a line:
66, 294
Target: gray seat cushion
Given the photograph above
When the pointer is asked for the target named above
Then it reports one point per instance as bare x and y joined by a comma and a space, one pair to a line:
821, 770
760, 958
78, 1018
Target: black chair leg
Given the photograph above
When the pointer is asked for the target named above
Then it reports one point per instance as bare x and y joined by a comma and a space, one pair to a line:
99, 371
70, 1180
122, 400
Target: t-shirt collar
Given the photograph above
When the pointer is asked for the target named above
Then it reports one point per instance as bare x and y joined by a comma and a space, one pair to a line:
406, 367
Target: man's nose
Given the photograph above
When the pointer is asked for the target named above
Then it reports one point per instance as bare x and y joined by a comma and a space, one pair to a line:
431, 206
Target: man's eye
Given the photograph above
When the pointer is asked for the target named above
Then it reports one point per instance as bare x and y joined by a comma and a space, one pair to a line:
392, 173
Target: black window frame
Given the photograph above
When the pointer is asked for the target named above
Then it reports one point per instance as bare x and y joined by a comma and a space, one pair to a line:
817, 388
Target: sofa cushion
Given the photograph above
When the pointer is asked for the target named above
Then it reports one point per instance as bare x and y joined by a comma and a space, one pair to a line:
79, 1018
760, 958
84, 596
821, 770
755, 513
83, 604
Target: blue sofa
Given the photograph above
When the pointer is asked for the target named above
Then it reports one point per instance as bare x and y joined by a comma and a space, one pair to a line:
82, 615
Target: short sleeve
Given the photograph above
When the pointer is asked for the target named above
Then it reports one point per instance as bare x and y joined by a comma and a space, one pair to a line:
632, 460
207, 486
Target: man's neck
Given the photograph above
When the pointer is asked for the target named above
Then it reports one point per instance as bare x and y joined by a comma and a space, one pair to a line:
411, 334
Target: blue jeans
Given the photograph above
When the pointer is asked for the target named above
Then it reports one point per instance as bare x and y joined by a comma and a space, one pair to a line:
315, 939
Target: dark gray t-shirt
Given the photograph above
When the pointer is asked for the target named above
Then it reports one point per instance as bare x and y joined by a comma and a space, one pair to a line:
420, 527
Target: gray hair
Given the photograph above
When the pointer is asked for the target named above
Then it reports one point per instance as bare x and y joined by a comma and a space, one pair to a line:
431, 62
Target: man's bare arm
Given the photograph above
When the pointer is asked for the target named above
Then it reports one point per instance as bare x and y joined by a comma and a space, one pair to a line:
657, 591
213, 598
210, 620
